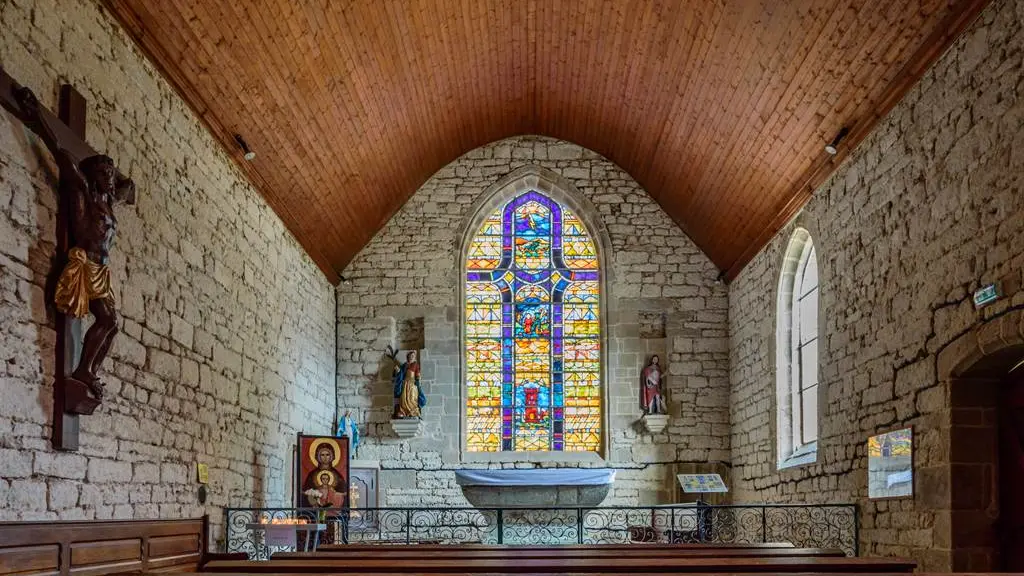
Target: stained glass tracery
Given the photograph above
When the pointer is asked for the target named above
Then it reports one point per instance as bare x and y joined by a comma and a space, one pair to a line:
532, 331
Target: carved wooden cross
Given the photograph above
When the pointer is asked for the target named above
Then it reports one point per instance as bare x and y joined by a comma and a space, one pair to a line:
71, 395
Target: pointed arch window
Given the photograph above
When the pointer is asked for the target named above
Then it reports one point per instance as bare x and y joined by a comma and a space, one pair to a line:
532, 331
797, 353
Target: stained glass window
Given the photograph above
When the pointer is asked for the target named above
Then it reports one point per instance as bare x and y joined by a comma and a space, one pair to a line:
532, 333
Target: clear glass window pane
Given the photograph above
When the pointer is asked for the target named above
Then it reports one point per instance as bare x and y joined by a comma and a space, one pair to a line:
808, 317
809, 365
810, 414
809, 278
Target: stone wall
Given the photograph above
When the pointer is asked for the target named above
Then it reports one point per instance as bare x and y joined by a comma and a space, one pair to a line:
925, 211
661, 298
226, 347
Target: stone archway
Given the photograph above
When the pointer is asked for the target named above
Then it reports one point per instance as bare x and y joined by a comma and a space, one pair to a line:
975, 369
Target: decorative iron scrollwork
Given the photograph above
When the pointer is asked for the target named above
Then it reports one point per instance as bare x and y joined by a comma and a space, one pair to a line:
812, 526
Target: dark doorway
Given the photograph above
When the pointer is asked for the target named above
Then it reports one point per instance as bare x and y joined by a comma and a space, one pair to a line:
1010, 527
987, 464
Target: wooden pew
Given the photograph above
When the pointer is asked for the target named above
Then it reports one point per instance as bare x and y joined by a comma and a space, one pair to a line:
366, 546
411, 553
573, 573
622, 564
101, 546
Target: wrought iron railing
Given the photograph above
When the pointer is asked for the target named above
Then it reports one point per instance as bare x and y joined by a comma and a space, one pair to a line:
804, 525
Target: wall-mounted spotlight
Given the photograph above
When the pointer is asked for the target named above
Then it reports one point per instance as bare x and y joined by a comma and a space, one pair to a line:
833, 147
248, 154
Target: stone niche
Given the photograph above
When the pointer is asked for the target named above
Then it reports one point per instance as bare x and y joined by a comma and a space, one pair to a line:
652, 324
409, 333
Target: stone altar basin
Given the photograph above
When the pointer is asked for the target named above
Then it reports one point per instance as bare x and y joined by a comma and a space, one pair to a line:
536, 488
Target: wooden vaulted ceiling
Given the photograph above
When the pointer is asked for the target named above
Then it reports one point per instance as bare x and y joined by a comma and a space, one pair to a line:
719, 108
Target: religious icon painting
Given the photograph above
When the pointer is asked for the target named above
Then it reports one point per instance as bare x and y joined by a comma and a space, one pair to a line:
322, 475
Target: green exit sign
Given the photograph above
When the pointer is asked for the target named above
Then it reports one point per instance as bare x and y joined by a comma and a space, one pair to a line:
986, 295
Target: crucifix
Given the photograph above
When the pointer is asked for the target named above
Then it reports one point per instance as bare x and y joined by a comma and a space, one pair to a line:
89, 188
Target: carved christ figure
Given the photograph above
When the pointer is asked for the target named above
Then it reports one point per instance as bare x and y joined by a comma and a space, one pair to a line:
91, 189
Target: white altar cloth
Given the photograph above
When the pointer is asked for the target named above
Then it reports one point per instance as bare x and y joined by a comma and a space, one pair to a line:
286, 535
536, 477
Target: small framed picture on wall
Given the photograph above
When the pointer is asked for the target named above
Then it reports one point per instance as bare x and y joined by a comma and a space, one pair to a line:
891, 465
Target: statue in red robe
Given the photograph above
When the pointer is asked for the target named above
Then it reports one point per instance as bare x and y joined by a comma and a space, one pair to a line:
651, 399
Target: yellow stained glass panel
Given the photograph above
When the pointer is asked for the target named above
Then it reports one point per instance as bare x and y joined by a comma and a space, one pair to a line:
483, 356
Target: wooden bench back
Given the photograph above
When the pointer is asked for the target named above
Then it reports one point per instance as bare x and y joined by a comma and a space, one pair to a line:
521, 548
91, 548
663, 552
623, 564
412, 572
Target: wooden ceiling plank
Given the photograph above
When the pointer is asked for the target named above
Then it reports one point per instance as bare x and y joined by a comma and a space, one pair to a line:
945, 32
353, 105
689, 34
696, 122
716, 157
681, 119
770, 102
733, 48
798, 122
429, 157
704, 105
785, 109
332, 71
338, 187
613, 134
646, 99
867, 49
395, 112
198, 47
349, 105
426, 95
170, 69
352, 100
711, 202
297, 143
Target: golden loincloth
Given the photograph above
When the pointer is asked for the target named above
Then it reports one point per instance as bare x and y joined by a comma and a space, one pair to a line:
81, 282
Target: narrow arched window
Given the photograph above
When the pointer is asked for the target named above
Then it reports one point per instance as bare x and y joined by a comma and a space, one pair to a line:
532, 330
797, 353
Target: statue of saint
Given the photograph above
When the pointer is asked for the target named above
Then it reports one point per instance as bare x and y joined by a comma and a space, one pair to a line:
651, 399
347, 427
409, 397
91, 188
